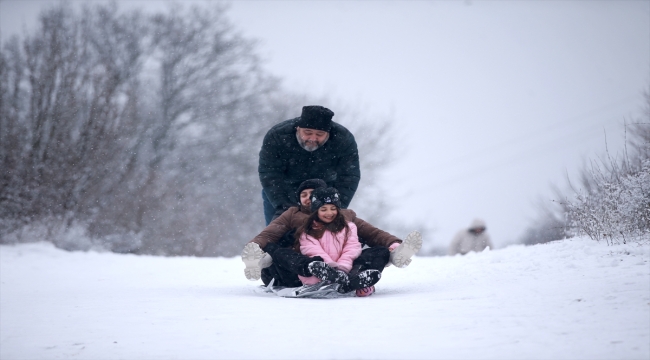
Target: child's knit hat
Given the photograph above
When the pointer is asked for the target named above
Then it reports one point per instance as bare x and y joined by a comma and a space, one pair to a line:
322, 196
310, 184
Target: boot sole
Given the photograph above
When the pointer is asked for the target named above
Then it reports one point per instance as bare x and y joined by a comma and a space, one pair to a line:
401, 256
251, 256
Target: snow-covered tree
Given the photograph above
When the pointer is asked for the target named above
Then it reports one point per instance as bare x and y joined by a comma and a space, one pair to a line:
613, 200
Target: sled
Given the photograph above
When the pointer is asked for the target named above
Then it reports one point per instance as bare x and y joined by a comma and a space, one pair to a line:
321, 290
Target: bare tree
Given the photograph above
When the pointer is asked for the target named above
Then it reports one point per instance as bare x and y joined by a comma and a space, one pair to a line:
143, 130
68, 110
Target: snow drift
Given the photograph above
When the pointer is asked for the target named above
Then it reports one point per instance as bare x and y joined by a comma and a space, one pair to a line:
571, 299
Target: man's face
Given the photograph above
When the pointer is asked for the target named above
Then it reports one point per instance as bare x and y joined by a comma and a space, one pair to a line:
305, 197
311, 139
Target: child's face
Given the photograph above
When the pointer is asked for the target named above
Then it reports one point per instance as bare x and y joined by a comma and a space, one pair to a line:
327, 213
305, 197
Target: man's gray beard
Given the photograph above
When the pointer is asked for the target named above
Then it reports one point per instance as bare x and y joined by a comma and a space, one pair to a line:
303, 144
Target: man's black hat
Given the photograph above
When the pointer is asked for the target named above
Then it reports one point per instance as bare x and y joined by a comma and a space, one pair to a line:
316, 117
322, 196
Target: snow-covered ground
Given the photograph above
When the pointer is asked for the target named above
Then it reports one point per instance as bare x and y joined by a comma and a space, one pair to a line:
572, 299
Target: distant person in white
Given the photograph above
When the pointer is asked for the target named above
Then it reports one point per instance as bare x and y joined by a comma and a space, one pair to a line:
472, 239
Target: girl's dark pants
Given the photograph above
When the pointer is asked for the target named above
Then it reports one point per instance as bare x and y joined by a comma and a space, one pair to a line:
288, 264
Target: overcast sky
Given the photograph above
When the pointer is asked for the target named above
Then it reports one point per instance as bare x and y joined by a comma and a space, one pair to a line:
493, 101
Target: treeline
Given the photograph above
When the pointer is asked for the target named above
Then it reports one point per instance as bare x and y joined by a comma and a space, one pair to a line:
611, 200
139, 133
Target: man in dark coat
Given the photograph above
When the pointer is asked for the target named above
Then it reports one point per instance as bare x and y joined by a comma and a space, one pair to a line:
311, 146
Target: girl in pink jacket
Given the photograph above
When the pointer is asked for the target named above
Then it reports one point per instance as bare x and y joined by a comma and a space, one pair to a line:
326, 234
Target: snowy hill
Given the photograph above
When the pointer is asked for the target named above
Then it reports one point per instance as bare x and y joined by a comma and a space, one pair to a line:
572, 299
